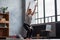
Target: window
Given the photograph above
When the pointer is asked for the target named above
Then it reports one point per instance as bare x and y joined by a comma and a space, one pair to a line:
49, 10
58, 10
39, 12
58, 7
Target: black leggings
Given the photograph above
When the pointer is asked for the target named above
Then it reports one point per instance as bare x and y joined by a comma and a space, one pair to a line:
29, 31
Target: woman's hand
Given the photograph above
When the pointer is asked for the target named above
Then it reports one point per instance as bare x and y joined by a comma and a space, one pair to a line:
36, 5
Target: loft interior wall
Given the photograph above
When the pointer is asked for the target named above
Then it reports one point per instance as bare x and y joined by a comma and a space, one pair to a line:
15, 15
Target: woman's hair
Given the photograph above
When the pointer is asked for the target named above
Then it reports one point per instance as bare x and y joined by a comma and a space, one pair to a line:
29, 9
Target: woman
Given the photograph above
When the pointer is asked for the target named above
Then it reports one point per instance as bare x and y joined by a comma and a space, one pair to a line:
27, 22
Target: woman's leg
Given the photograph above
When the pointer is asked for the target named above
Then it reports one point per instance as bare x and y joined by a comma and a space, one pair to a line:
27, 29
29, 34
25, 26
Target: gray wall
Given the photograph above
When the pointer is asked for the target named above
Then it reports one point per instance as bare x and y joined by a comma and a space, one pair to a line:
15, 15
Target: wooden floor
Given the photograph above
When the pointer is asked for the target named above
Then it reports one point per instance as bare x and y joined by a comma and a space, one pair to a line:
25, 39
33, 39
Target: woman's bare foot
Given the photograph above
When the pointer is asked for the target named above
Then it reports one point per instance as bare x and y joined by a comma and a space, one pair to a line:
30, 38
27, 38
